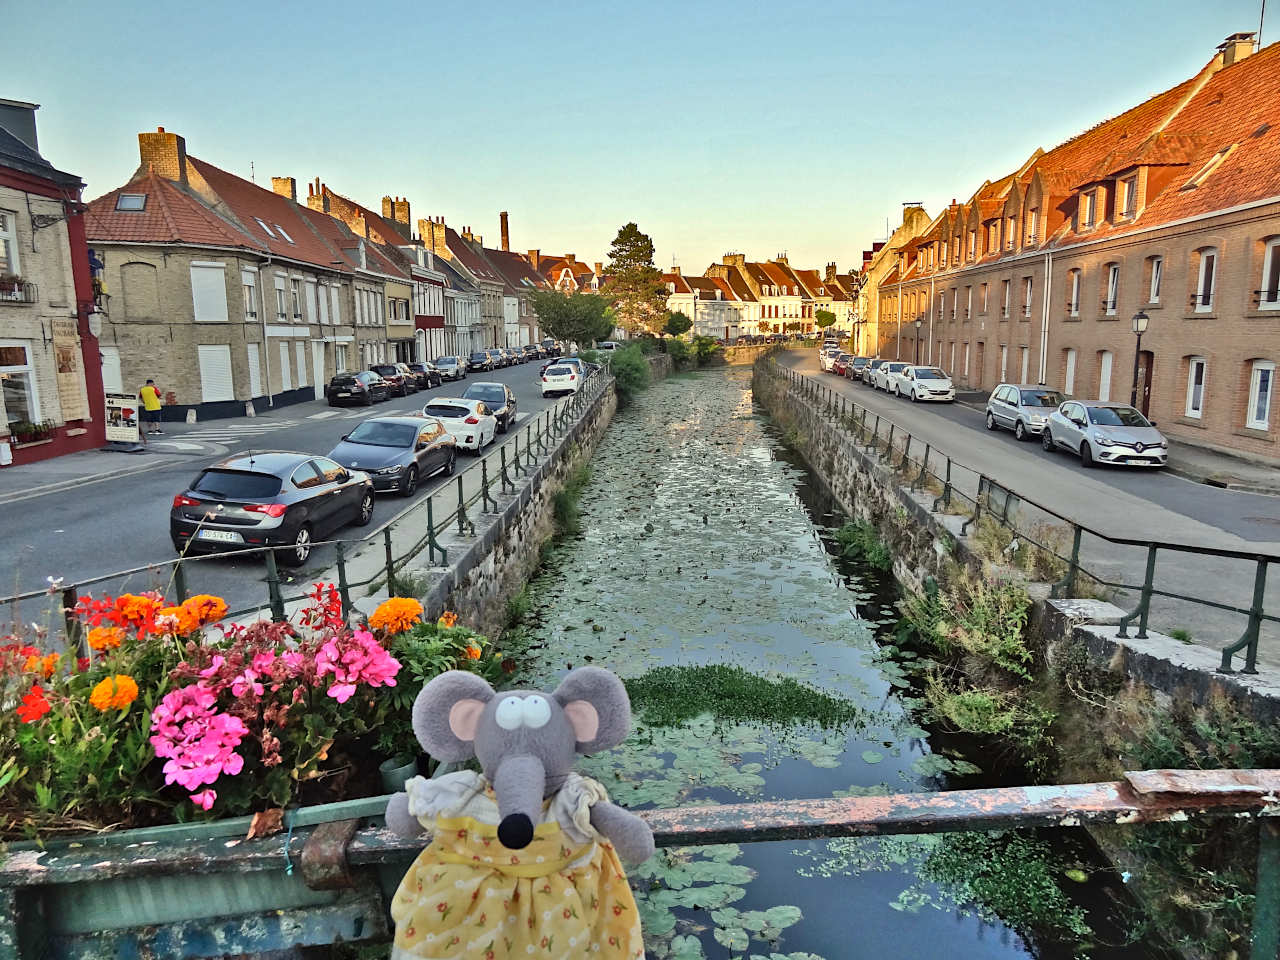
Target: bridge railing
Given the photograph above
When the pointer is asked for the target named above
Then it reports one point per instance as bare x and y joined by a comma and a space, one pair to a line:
970, 490
344, 849
452, 506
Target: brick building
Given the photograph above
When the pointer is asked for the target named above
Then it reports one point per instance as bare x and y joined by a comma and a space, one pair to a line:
1171, 209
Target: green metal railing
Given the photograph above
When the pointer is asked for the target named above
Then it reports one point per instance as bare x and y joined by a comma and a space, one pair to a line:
894, 445
452, 503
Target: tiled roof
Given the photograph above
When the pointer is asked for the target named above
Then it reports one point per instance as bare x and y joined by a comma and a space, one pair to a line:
740, 287
680, 283
16, 155
704, 287
453, 278
475, 263
516, 270
725, 289
169, 215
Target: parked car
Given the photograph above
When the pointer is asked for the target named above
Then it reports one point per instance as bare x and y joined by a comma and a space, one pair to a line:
869, 370
881, 374
364, 387
609, 345
451, 368
497, 358
840, 365
853, 370
269, 499
410, 376
498, 398
470, 422
583, 368
427, 374
396, 452
561, 378
827, 358
923, 383
1023, 408
531, 351
1104, 432
514, 355
397, 381
480, 360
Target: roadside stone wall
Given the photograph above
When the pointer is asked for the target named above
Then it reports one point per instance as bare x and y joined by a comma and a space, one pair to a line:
660, 366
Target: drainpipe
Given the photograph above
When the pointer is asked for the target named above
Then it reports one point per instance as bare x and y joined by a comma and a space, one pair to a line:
266, 344
1044, 322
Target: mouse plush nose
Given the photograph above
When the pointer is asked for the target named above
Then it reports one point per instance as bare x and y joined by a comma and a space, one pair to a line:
519, 784
515, 832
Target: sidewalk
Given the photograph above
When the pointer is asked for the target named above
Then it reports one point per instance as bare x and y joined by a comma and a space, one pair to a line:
77, 469
1189, 462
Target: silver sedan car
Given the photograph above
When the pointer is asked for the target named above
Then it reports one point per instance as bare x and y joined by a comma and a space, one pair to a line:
1104, 432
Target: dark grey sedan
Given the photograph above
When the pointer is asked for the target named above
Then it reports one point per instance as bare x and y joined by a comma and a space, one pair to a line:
397, 452
498, 398
271, 499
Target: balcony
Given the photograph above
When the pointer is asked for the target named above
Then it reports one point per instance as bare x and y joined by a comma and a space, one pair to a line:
1267, 299
18, 291
1202, 302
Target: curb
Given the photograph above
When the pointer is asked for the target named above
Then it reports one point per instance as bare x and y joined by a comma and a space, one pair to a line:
61, 485
1223, 482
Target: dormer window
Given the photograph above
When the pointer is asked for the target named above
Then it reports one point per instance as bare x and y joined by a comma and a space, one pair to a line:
1129, 196
131, 201
973, 243
1089, 210
1011, 235
1033, 225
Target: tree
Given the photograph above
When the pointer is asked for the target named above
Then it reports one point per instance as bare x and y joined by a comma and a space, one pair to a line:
634, 285
823, 319
582, 318
678, 323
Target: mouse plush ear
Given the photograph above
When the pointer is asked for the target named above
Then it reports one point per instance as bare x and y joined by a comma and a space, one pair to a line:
447, 713
597, 707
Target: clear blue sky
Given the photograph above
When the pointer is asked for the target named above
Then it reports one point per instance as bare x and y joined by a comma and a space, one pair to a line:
716, 126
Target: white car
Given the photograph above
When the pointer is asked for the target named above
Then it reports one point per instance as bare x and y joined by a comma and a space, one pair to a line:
608, 345
827, 358
471, 423
561, 378
923, 383
881, 375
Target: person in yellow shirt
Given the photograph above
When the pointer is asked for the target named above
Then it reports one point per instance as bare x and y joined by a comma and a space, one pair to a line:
150, 397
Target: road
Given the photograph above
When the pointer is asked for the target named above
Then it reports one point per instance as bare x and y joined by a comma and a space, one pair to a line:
100, 527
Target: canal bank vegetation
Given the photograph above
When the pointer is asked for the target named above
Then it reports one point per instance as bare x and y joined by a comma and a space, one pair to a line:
564, 502
859, 541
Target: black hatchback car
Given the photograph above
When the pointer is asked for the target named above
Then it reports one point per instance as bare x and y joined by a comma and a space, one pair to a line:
498, 398
273, 499
428, 376
365, 387
397, 380
397, 452
480, 360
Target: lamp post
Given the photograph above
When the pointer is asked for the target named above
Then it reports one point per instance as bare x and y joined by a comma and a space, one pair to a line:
1140, 321
919, 324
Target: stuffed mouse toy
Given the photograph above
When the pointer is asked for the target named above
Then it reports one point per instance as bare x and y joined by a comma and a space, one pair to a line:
524, 856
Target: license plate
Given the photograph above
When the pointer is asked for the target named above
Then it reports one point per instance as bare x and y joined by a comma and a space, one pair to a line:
342, 393
224, 536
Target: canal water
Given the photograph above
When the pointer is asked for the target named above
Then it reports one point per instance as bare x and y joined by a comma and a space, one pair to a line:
705, 541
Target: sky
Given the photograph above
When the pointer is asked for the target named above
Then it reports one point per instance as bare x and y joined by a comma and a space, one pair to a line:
760, 128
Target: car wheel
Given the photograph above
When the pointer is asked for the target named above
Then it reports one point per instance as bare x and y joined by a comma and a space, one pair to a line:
915, 397
1046, 440
505, 424
365, 515
991, 421
453, 460
368, 399
177, 544
300, 552
895, 391
1019, 431
1086, 455
410, 483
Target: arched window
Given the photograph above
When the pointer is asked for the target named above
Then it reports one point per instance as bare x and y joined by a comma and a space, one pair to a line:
140, 286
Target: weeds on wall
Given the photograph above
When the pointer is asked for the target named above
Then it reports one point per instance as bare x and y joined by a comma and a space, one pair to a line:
858, 540
564, 503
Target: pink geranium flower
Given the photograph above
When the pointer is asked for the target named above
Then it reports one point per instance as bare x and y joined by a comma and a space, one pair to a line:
204, 799
198, 742
353, 659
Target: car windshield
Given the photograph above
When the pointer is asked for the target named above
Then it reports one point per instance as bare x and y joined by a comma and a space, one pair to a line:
929, 373
386, 370
1117, 417
479, 356
895, 367
236, 485
487, 392
381, 433
559, 371
446, 411
1041, 398
859, 361
446, 361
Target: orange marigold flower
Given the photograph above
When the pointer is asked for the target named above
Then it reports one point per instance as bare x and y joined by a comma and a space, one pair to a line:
205, 609
448, 619
114, 693
43, 665
173, 620
105, 638
472, 651
396, 615
138, 611
34, 705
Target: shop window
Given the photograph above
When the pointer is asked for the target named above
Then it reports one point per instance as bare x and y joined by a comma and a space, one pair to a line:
18, 384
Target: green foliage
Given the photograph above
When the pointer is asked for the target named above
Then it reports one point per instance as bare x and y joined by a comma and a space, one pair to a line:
704, 348
823, 319
670, 695
581, 318
982, 618
589, 356
564, 503
1181, 633
677, 323
630, 371
634, 285
680, 352
518, 607
648, 343
859, 541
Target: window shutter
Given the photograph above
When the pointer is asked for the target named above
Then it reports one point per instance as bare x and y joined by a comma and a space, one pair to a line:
286, 383
302, 363
209, 294
112, 382
215, 372
255, 371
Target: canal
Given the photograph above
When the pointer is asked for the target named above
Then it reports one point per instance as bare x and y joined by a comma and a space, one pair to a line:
704, 541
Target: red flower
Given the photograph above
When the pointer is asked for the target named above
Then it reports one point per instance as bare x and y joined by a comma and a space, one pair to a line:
34, 705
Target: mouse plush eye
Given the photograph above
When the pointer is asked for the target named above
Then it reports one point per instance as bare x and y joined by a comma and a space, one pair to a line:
536, 712
510, 713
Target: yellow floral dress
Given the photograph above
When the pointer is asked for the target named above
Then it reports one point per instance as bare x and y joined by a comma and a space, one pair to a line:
467, 897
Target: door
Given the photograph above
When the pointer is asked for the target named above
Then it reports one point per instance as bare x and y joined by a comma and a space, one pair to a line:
111, 379
977, 367
301, 349
1005, 408
1074, 433
317, 368
1146, 365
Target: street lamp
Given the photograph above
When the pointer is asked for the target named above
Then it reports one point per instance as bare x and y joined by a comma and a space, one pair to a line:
1140, 321
919, 323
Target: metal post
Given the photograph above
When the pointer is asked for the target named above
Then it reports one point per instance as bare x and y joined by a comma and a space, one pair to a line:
433, 547
888, 447
528, 447
487, 500
74, 630
273, 587
906, 453
506, 481
344, 591
1249, 641
391, 565
924, 468
1144, 603
1067, 585
977, 500
180, 582
1265, 939
515, 463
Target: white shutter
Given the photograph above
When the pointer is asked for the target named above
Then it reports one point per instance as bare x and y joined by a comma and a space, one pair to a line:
337, 311
302, 363
255, 371
311, 301
285, 382
111, 379
209, 293
215, 372
324, 304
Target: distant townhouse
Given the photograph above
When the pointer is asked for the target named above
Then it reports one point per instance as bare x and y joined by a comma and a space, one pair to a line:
709, 302
51, 396
879, 289
566, 273
1168, 216
461, 311
462, 252
521, 281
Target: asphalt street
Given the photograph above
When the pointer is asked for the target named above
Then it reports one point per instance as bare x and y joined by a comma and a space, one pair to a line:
121, 523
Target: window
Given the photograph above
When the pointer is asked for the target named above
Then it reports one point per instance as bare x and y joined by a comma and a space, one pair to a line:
941, 307
307, 476
209, 292
280, 305
1206, 280
215, 372
968, 302
280, 230
131, 201
1069, 378
1129, 195
286, 382
9, 265
973, 243
1027, 285
295, 292
1004, 310
323, 303
1026, 359
265, 228
1073, 303
1157, 271
1203, 173
952, 365
249, 289
1012, 233
1196, 369
955, 298
984, 297
1113, 289
18, 384
1269, 295
1004, 361
1260, 388
1104, 375
966, 358
1033, 225
1089, 211
301, 349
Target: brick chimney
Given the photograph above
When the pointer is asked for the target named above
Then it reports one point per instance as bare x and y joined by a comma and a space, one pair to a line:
400, 211
735, 259
166, 153
535, 257
286, 187
569, 257
1235, 48
599, 269
317, 197
506, 232
388, 209
434, 237
830, 275
674, 269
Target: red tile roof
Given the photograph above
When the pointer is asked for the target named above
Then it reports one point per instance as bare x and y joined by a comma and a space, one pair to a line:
515, 269
679, 282
169, 216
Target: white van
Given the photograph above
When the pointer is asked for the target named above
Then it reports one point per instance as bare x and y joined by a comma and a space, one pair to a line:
608, 345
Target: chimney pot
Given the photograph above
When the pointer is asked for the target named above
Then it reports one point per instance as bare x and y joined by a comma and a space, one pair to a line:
388, 208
